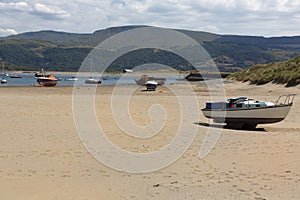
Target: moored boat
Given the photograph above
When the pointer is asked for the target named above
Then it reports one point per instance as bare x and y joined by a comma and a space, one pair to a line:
47, 80
15, 76
3, 81
244, 113
144, 78
92, 81
127, 71
73, 78
4, 74
197, 76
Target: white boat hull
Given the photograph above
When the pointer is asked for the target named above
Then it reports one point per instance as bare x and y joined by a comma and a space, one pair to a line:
249, 116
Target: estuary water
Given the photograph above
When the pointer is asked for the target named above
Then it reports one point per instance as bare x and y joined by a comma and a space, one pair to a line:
107, 79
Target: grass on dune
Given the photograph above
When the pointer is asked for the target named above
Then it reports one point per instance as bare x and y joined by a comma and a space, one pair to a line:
287, 73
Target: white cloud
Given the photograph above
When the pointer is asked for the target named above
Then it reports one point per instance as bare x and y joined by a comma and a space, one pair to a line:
251, 17
21, 6
4, 32
49, 12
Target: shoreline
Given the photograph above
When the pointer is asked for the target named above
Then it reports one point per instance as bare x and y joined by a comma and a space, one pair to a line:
98, 73
168, 71
225, 81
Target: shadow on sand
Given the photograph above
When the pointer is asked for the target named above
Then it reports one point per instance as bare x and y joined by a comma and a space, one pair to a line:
221, 126
148, 90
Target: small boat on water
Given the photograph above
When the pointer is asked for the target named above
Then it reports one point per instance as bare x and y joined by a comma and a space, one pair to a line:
15, 76
151, 85
73, 78
144, 78
45, 80
92, 81
197, 76
244, 113
4, 74
3, 81
127, 71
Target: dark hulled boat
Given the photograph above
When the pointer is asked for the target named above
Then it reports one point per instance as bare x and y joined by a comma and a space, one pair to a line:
197, 76
46, 80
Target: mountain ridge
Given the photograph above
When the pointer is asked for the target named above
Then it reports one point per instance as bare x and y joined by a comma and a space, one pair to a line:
63, 51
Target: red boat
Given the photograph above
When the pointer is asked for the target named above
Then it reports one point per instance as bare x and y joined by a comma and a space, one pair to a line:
47, 80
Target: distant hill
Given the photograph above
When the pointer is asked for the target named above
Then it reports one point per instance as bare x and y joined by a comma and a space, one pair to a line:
282, 72
63, 51
72, 39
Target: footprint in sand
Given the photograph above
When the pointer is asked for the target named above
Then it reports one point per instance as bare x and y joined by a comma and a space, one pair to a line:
66, 174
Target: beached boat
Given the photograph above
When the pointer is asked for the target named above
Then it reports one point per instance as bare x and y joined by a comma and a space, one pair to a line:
151, 85
92, 81
144, 78
244, 113
47, 80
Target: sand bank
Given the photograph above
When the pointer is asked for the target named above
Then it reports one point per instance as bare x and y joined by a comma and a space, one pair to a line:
42, 157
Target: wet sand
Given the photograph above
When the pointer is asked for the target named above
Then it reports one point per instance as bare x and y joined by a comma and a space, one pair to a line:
42, 157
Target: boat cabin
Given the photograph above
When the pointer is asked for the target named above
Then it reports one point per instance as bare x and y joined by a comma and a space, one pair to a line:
238, 103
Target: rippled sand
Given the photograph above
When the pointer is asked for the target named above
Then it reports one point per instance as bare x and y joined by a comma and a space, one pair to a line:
42, 157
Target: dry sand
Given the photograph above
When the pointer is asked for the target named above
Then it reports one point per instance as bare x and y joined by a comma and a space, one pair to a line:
42, 157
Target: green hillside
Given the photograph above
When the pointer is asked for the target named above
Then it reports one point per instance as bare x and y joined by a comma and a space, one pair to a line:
281, 72
63, 51
29, 54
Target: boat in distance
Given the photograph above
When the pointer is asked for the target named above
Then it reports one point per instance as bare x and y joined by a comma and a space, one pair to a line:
151, 85
73, 78
92, 81
144, 78
197, 76
15, 76
244, 113
47, 80
3, 81
127, 71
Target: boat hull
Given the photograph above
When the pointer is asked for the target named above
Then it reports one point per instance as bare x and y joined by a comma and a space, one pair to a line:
151, 87
15, 76
249, 116
196, 76
90, 81
47, 82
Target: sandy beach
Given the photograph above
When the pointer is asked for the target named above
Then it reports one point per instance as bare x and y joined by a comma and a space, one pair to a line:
42, 156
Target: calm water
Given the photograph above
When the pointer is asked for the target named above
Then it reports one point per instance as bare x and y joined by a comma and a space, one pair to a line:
125, 79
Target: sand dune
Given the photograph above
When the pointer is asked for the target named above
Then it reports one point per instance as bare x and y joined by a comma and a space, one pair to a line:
42, 157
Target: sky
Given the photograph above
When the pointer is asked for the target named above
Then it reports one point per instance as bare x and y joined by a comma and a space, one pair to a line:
240, 17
